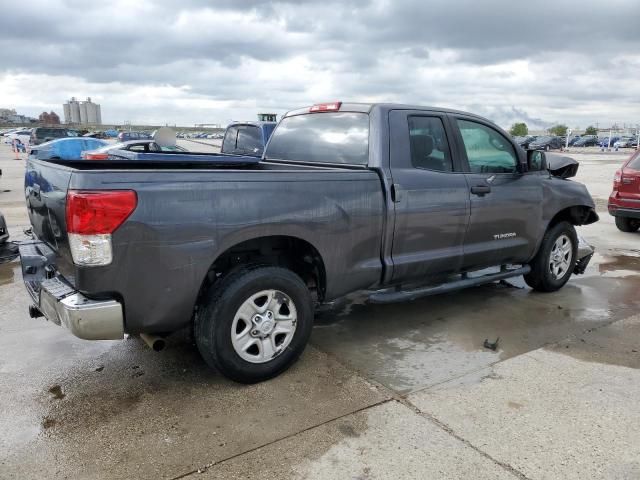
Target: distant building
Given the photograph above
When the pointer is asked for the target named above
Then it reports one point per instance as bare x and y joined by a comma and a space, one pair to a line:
9, 115
83, 113
267, 117
50, 118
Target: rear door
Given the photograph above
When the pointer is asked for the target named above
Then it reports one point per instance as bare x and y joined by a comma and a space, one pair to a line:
506, 206
430, 193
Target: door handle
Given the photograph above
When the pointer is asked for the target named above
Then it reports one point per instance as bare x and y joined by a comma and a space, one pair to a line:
480, 190
396, 193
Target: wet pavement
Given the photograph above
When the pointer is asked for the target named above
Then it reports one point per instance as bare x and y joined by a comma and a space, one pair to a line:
404, 390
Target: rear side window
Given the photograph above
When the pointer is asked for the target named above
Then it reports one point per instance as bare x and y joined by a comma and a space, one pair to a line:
340, 137
429, 145
229, 142
487, 150
635, 162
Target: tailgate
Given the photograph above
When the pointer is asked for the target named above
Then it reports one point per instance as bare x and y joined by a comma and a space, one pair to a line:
46, 193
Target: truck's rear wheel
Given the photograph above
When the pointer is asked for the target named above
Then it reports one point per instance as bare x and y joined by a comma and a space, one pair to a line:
255, 323
626, 224
553, 265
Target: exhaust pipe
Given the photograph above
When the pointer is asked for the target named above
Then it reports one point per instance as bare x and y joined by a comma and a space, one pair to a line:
155, 343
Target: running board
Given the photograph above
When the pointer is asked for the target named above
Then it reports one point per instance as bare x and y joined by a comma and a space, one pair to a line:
392, 296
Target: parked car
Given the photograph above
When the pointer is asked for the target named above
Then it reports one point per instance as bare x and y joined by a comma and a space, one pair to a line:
23, 135
586, 141
247, 138
525, 141
624, 201
45, 134
625, 142
347, 197
547, 143
126, 136
111, 151
574, 139
97, 134
69, 148
605, 143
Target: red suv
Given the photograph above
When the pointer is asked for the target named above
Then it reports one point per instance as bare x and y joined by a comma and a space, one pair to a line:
624, 201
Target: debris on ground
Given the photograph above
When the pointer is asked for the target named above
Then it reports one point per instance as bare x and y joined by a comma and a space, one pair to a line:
491, 345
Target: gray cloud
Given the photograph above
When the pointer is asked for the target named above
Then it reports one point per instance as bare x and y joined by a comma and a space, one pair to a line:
512, 61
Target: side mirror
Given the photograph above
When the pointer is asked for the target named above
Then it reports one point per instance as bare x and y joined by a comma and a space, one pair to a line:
536, 161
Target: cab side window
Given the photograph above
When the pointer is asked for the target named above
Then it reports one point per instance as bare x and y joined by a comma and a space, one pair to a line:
229, 142
488, 151
429, 145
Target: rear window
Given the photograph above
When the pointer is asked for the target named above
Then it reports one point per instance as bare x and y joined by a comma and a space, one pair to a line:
635, 162
51, 132
340, 137
249, 140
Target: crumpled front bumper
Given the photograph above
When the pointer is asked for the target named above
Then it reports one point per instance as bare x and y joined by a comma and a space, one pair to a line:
61, 304
585, 253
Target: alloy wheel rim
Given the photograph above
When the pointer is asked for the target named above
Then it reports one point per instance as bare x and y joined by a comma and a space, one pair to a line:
560, 257
264, 326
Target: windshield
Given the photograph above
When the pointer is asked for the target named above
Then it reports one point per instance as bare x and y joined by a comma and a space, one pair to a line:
542, 139
340, 137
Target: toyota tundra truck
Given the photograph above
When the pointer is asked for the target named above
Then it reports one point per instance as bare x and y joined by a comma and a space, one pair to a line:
398, 201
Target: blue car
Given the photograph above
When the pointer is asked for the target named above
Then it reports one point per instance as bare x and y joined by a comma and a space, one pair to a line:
65, 148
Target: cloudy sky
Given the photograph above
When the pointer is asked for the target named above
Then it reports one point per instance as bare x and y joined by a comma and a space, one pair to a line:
197, 61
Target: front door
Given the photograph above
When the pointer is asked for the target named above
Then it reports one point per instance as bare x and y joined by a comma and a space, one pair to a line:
506, 206
431, 198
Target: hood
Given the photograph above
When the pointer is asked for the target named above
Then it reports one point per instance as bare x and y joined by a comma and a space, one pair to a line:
562, 167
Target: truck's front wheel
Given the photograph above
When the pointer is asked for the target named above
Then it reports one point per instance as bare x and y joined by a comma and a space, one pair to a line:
553, 265
254, 323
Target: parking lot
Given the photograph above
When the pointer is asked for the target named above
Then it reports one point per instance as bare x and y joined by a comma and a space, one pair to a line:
403, 390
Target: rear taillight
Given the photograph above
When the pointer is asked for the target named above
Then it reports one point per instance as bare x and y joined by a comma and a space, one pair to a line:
617, 179
95, 156
92, 216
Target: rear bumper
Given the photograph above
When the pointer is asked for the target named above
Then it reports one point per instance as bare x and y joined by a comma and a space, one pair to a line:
624, 212
62, 304
623, 207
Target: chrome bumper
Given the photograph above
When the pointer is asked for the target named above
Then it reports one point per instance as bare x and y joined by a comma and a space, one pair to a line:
62, 304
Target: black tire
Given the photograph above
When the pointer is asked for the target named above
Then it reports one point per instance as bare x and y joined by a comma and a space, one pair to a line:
626, 224
540, 278
213, 323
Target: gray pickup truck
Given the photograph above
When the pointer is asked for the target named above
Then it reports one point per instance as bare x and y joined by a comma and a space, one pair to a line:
396, 200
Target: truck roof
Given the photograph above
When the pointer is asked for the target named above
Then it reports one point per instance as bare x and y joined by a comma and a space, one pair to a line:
368, 107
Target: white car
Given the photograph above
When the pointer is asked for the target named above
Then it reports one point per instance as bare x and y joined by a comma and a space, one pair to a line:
23, 135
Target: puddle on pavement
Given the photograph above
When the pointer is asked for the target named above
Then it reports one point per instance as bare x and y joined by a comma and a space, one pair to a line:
408, 346
618, 264
7, 273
